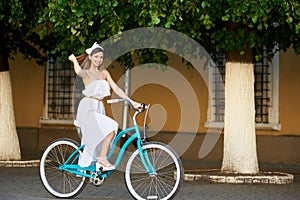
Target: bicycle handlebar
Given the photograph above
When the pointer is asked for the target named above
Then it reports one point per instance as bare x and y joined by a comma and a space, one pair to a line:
141, 108
114, 100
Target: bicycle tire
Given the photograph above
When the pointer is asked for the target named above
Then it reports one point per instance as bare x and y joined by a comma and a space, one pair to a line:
60, 183
168, 178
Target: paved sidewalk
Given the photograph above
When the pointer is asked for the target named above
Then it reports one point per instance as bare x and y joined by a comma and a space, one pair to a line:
23, 183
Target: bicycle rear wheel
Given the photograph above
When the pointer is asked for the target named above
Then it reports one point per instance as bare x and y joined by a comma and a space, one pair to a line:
57, 182
165, 183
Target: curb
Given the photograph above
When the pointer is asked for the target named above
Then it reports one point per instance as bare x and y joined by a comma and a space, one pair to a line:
214, 176
18, 163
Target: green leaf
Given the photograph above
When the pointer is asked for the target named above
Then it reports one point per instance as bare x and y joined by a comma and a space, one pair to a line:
91, 23
260, 27
225, 18
155, 20
297, 28
167, 25
115, 4
254, 19
258, 57
298, 12
289, 20
261, 11
204, 4
244, 9
73, 31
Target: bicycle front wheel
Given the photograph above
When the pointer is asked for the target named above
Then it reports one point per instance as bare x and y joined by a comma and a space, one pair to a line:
57, 182
164, 183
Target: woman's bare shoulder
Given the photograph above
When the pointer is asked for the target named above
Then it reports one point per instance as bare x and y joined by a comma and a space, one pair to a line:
105, 73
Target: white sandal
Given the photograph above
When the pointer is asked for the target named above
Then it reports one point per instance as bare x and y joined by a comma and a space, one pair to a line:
103, 164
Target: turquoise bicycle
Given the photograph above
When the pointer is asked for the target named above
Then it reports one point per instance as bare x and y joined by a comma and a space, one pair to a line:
152, 171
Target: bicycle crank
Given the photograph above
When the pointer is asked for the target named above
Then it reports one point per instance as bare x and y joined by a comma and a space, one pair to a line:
96, 180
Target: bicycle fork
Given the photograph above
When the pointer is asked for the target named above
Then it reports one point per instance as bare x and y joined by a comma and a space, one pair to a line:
146, 160
149, 168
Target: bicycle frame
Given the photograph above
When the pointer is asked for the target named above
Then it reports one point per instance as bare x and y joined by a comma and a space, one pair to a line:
145, 159
74, 168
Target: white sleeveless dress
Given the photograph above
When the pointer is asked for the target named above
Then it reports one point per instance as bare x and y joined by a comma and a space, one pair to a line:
92, 121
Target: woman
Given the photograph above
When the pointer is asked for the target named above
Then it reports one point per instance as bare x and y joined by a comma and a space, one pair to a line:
98, 130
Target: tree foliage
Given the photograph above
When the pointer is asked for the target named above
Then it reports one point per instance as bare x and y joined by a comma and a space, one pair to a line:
71, 26
216, 24
258, 24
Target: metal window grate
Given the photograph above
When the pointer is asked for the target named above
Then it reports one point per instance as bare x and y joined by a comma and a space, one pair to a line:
262, 89
60, 82
218, 90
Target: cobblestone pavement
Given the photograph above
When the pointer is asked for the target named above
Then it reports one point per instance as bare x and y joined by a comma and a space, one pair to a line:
23, 183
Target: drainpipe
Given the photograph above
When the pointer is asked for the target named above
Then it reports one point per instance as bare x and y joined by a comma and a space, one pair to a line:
127, 92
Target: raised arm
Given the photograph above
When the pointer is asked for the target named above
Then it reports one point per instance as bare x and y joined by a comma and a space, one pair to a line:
77, 67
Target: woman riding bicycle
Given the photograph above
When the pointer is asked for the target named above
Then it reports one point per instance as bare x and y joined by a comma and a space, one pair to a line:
98, 130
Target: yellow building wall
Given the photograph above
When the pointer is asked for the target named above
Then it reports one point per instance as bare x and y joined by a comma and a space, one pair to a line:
179, 96
28, 82
289, 89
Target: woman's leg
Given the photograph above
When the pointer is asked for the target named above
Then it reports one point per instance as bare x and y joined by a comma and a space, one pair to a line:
106, 144
102, 159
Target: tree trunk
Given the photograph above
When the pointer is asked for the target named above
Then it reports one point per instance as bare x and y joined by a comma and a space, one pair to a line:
9, 142
239, 155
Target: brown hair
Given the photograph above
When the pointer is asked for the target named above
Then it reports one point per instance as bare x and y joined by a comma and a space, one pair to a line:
84, 60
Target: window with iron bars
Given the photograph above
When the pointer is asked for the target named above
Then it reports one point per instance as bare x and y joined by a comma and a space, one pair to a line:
60, 80
265, 73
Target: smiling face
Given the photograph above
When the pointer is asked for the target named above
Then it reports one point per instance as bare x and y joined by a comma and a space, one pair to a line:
97, 59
